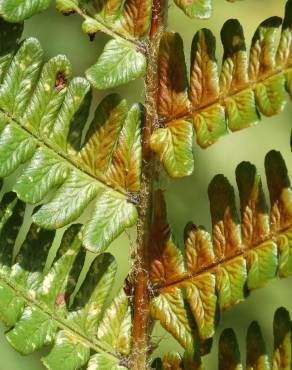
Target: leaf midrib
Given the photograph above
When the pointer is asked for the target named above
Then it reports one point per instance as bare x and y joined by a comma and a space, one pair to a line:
215, 265
251, 85
133, 41
64, 158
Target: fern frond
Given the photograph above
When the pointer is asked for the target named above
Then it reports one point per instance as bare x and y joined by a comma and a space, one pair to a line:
216, 273
42, 114
229, 354
197, 8
127, 22
123, 58
18, 10
40, 305
214, 104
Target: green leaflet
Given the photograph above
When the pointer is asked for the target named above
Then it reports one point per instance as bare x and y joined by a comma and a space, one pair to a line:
44, 172
43, 115
99, 362
285, 262
20, 78
170, 309
230, 281
74, 351
109, 218
174, 147
40, 310
16, 147
18, 10
201, 296
68, 202
243, 254
34, 330
217, 102
262, 264
115, 327
197, 8
118, 64
45, 103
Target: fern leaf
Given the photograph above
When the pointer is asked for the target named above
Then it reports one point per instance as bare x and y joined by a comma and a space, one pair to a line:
174, 142
174, 145
42, 121
232, 100
41, 306
118, 64
127, 22
18, 10
240, 256
229, 354
99, 362
196, 8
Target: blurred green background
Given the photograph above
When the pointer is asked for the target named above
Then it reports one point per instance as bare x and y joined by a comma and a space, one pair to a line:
186, 198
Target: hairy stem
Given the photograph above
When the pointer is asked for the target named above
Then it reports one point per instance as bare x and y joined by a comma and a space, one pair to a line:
142, 321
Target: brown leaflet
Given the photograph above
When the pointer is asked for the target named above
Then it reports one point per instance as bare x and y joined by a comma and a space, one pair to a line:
204, 80
166, 259
103, 133
172, 84
135, 17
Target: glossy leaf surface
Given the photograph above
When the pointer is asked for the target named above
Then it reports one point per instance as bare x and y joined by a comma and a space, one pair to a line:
18, 10
218, 102
43, 119
243, 253
41, 309
229, 357
118, 64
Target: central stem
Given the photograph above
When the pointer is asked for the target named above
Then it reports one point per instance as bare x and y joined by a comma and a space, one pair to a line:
142, 321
